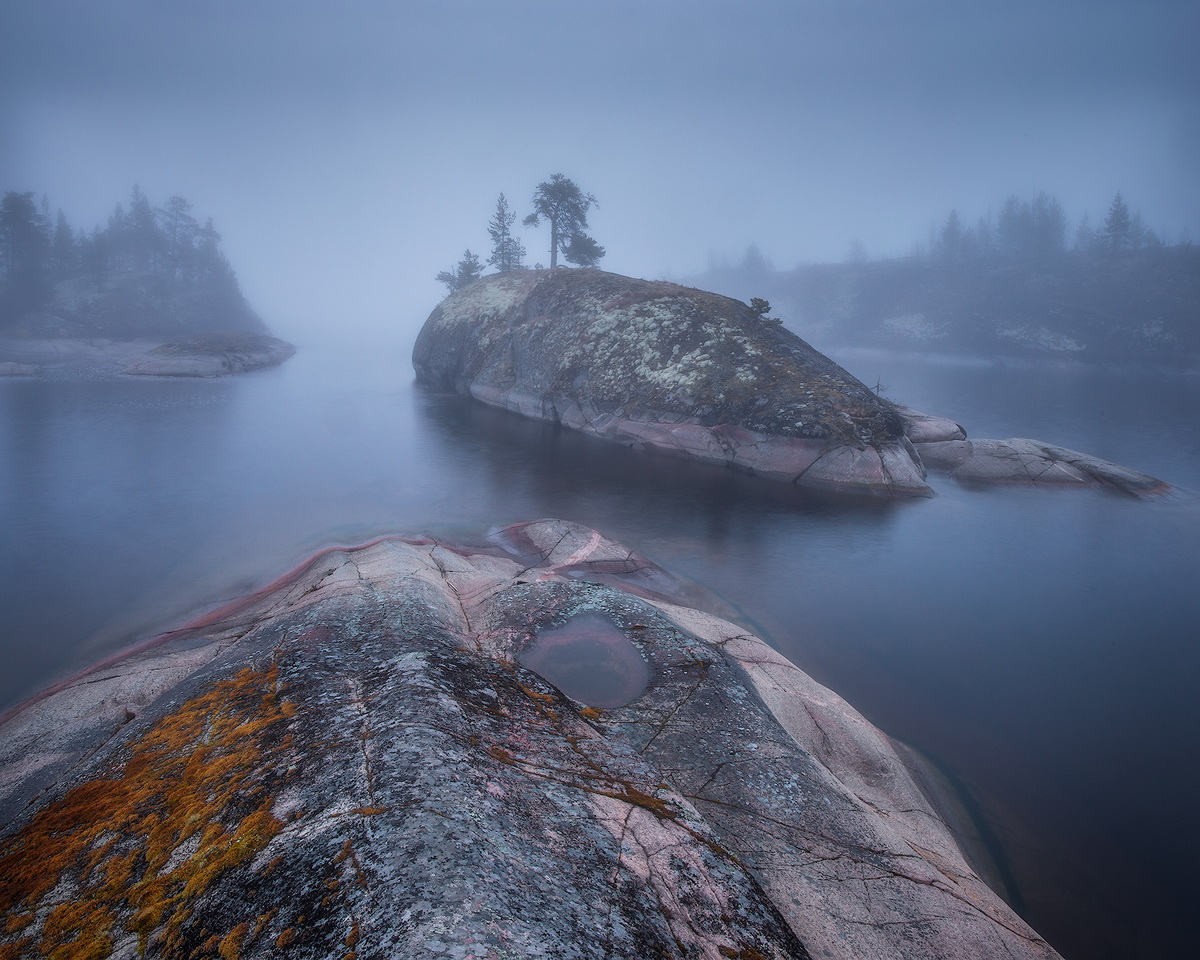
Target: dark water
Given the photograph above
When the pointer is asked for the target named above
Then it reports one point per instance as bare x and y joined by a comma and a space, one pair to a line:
591, 660
1041, 644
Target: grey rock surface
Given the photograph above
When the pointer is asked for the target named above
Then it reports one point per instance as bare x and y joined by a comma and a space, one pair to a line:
11, 368
210, 355
354, 762
215, 356
943, 444
666, 368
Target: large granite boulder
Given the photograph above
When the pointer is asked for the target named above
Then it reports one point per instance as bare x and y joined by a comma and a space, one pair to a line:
668, 368
361, 761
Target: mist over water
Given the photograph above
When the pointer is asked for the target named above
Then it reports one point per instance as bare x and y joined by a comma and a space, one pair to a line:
1036, 642
1039, 644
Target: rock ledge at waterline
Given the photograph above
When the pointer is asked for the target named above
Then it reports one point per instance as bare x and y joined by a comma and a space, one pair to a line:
669, 368
201, 355
354, 761
943, 444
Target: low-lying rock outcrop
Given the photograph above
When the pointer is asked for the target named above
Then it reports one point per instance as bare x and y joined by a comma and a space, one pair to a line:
211, 355
943, 444
355, 762
10, 368
668, 368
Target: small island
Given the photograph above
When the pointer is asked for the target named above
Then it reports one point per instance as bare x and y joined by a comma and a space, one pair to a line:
148, 294
682, 371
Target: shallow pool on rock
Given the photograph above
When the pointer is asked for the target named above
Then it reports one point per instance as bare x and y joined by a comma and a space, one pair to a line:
590, 660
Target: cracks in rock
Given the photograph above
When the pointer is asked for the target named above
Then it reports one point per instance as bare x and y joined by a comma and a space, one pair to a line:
617, 866
545, 555
826, 748
359, 703
445, 575
948, 886
888, 480
685, 699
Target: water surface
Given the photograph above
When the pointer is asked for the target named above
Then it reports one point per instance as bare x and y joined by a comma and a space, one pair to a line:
1039, 643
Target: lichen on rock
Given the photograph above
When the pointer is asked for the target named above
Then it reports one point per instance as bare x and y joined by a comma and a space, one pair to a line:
669, 368
353, 762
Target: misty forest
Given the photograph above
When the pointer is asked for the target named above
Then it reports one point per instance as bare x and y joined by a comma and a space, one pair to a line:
145, 267
1018, 284
786, 550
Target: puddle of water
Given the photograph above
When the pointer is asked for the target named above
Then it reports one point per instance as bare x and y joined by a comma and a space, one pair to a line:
591, 661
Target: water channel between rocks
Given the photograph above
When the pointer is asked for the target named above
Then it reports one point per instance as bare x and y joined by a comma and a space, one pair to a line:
1035, 642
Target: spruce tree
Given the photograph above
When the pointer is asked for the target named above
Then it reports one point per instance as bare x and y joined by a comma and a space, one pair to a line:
508, 253
466, 271
179, 232
1117, 232
24, 255
64, 250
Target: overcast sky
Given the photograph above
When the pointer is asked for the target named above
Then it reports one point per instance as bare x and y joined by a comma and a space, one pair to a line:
350, 150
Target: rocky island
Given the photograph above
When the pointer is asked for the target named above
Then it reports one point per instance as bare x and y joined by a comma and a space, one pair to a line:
682, 371
536, 747
667, 368
152, 295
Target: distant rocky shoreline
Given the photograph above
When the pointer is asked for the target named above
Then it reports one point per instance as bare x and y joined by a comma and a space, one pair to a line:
211, 355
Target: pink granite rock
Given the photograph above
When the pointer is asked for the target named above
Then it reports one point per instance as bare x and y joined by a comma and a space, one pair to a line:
669, 369
355, 760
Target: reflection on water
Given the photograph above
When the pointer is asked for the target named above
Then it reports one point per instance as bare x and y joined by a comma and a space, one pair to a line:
1037, 642
590, 660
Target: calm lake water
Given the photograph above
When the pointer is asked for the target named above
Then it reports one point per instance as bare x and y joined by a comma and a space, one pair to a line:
1041, 644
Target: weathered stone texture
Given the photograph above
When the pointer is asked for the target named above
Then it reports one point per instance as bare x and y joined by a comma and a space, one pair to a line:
211, 356
199, 356
667, 368
352, 762
942, 443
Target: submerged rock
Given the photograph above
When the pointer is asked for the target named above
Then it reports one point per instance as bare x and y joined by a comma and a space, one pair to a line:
668, 368
943, 443
354, 761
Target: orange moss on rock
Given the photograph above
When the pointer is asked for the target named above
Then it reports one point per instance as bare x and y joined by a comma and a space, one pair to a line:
131, 853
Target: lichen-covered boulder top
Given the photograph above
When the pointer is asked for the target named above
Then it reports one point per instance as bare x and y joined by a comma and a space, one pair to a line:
670, 368
353, 762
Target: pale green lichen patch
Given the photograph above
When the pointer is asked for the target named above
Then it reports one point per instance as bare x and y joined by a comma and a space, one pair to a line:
591, 340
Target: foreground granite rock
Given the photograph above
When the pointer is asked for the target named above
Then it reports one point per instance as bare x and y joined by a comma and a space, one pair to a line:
668, 368
354, 762
943, 443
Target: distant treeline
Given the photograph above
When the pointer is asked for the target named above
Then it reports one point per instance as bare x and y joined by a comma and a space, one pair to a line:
165, 245
1005, 286
1037, 228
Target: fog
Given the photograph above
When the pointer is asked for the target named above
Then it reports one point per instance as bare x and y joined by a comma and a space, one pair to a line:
348, 152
